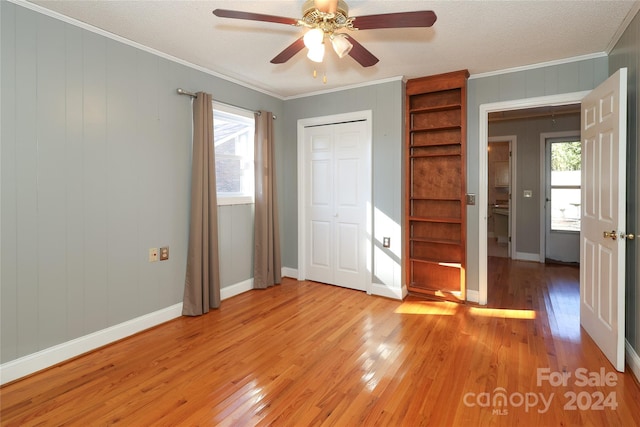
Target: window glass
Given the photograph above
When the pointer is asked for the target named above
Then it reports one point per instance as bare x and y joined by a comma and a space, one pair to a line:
233, 135
565, 186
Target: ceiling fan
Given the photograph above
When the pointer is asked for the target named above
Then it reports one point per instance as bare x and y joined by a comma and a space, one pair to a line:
324, 18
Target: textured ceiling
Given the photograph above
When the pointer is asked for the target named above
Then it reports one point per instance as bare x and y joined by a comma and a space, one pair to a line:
481, 36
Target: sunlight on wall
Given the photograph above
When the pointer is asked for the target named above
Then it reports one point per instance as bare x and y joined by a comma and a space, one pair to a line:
387, 260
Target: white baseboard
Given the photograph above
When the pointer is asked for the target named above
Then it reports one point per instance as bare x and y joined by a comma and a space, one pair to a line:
526, 256
34, 362
385, 291
237, 289
473, 295
290, 272
48, 357
633, 360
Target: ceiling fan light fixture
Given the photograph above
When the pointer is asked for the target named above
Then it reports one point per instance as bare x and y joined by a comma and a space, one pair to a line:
316, 53
313, 38
341, 45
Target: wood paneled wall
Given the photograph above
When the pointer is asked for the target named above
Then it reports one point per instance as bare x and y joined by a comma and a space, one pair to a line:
95, 170
626, 53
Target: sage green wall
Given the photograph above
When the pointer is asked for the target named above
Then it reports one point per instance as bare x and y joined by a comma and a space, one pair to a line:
626, 53
527, 168
95, 170
386, 102
551, 80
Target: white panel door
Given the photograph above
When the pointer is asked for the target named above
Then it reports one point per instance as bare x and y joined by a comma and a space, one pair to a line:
602, 245
320, 196
337, 182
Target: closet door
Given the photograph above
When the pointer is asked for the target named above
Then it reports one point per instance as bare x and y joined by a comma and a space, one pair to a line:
435, 201
336, 184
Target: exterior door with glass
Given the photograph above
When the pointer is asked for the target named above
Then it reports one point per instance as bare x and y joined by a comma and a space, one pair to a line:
562, 207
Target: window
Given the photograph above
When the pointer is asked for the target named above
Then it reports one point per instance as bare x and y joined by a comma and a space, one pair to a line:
565, 186
233, 137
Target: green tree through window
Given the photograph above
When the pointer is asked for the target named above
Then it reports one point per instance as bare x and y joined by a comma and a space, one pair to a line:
565, 156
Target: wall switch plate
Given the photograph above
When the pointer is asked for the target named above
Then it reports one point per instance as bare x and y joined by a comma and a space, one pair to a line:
164, 253
471, 199
153, 254
528, 194
386, 242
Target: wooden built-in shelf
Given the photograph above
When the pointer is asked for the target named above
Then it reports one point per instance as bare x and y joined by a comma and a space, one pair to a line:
438, 199
440, 241
439, 262
440, 144
418, 156
435, 128
439, 220
435, 165
435, 108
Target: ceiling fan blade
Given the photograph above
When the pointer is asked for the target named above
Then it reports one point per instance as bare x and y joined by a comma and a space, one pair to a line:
423, 18
361, 54
237, 14
326, 6
288, 53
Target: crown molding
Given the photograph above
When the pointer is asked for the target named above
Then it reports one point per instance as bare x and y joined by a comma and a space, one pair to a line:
539, 65
115, 37
342, 88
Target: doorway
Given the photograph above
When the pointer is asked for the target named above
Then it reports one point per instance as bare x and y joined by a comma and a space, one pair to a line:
334, 200
483, 200
603, 138
500, 209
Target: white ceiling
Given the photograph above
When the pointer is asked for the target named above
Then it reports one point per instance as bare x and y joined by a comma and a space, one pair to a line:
481, 36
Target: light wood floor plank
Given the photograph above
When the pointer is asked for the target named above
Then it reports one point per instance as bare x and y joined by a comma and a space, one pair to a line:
307, 354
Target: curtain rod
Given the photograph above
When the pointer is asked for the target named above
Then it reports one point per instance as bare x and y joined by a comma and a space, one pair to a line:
193, 95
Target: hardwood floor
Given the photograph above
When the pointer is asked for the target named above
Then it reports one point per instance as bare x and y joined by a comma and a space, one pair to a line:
304, 353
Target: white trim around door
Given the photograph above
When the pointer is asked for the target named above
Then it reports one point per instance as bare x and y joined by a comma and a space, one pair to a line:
483, 189
543, 184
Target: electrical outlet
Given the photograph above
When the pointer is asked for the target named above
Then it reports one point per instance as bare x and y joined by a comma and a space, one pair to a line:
153, 254
386, 242
164, 253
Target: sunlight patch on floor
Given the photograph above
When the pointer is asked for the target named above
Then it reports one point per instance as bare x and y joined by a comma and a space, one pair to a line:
439, 308
502, 312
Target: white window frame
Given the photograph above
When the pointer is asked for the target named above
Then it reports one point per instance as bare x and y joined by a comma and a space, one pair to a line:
569, 138
243, 199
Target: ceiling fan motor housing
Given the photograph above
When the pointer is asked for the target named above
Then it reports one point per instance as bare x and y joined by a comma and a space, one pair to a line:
314, 18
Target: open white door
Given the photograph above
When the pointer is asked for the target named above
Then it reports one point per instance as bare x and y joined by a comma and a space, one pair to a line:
602, 246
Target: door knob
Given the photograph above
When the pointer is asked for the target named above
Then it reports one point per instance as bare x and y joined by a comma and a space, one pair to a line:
629, 236
612, 234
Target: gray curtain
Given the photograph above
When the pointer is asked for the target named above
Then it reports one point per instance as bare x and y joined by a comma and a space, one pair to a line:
267, 265
202, 281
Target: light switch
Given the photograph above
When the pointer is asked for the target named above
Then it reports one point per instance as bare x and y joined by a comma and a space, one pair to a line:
528, 194
153, 254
